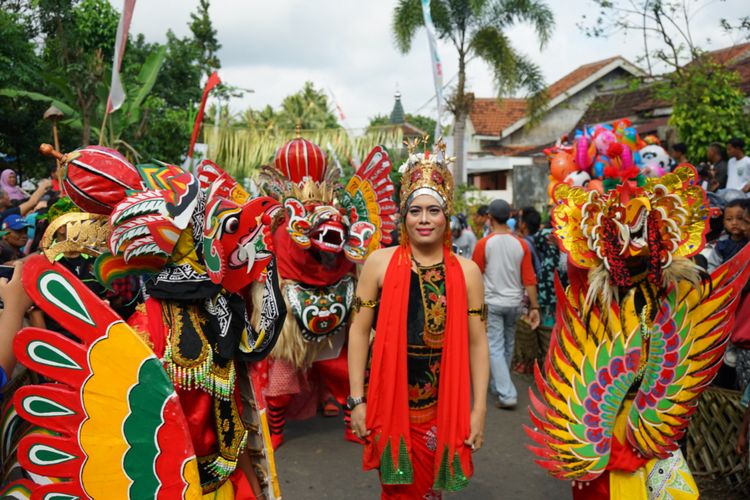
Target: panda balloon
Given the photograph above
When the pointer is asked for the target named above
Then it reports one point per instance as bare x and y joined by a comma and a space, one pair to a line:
654, 161
578, 178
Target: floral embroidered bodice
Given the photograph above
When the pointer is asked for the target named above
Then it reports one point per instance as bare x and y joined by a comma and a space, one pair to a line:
425, 332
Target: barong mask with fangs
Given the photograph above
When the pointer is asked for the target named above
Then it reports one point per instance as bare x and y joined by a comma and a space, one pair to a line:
637, 341
236, 241
322, 214
642, 224
325, 229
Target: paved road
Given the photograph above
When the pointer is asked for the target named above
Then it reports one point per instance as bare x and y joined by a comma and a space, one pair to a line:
316, 462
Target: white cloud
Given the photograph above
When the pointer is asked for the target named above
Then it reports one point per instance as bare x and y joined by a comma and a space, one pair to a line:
347, 46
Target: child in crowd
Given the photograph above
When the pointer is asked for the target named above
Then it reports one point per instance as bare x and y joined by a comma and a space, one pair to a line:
734, 226
740, 339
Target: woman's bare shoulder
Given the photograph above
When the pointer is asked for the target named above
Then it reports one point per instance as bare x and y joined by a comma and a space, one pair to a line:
469, 267
381, 255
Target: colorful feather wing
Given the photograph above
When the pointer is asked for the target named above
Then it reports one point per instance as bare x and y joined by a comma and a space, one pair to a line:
587, 376
119, 428
213, 177
368, 201
685, 352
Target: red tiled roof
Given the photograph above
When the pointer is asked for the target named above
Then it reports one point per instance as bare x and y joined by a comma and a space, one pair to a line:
640, 102
731, 54
578, 75
491, 116
621, 104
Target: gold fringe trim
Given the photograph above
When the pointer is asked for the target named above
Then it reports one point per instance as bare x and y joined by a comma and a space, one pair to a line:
145, 337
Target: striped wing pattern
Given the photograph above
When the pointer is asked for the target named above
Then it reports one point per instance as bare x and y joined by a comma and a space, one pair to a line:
118, 428
368, 198
686, 348
585, 380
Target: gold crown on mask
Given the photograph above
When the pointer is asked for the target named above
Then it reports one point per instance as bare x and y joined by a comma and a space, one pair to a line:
84, 233
310, 191
428, 171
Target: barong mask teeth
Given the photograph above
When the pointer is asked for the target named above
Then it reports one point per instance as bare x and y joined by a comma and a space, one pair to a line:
324, 215
426, 174
658, 221
319, 226
237, 240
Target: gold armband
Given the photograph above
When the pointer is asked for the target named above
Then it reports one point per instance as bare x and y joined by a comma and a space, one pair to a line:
359, 303
479, 311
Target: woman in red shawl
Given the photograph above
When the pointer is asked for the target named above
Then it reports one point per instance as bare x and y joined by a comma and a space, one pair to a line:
429, 350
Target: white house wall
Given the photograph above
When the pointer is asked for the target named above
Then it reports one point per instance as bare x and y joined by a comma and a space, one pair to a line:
563, 117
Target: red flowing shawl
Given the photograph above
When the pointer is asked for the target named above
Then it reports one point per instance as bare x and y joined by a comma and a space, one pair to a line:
389, 447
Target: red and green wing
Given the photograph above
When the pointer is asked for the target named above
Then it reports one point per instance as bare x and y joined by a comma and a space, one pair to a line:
119, 430
368, 201
590, 367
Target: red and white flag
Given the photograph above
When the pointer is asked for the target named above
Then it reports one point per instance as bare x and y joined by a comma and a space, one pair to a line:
116, 92
212, 82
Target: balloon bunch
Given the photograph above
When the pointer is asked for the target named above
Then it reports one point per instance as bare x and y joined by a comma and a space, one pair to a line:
603, 154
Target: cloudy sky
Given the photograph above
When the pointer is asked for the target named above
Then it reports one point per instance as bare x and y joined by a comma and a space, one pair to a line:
346, 47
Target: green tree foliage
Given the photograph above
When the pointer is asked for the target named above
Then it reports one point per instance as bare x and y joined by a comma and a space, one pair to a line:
380, 120
21, 67
478, 28
82, 51
60, 51
707, 105
423, 122
204, 35
308, 108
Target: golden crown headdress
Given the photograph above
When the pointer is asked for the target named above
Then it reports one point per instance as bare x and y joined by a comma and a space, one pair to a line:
310, 191
85, 233
429, 172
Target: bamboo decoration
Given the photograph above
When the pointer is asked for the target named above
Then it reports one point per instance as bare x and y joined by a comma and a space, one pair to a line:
241, 151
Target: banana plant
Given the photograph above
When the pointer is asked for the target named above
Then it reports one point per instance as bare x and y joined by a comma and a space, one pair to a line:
119, 122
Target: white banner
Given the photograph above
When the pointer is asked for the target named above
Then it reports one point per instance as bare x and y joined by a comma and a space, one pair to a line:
437, 67
116, 91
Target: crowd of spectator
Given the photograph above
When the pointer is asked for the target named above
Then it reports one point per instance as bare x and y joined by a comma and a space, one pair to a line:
24, 217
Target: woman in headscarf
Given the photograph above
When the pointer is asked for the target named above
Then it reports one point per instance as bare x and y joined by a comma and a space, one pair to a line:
429, 352
9, 184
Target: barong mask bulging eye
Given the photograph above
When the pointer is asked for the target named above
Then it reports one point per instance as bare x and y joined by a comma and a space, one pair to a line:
652, 224
237, 240
320, 215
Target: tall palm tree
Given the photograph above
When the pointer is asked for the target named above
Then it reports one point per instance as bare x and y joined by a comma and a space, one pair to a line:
476, 28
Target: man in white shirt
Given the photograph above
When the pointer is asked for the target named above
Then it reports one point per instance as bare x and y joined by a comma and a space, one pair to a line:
505, 261
738, 167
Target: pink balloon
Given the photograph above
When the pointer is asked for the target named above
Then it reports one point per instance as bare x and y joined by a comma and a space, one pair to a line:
626, 157
583, 159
